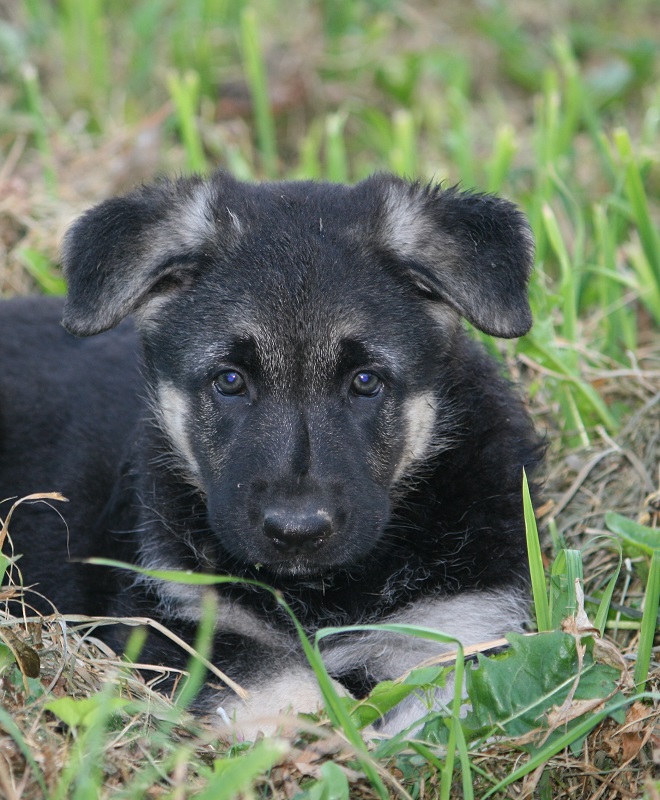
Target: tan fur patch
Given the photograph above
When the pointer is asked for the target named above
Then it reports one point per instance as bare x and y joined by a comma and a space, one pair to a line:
420, 414
173, 413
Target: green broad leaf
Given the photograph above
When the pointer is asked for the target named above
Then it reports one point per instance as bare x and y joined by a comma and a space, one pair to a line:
512, 693
6, 656
387, 694
333, 785
383, 697
233, 776
84, 712
633, 533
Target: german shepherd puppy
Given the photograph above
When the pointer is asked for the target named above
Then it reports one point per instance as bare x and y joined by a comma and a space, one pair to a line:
293, 400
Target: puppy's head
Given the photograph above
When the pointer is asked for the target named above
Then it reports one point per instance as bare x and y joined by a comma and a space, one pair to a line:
297, 339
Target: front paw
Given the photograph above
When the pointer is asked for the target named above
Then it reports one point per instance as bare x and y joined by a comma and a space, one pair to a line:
272, 705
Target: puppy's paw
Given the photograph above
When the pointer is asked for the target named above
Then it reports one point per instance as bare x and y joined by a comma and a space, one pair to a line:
273, 705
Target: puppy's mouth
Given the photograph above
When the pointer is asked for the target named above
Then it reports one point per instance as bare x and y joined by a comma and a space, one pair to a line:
303, 545
300, 565
332, 558
297, 567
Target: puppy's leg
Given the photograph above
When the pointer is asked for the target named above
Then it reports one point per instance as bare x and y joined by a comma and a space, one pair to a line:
471, 618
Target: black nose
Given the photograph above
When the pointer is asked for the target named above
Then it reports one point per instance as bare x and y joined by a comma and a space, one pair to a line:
297, 532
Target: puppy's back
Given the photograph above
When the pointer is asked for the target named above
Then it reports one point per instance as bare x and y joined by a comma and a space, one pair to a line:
68, 407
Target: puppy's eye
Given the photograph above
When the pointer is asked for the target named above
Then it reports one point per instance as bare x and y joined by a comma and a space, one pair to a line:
366, 384
229, 382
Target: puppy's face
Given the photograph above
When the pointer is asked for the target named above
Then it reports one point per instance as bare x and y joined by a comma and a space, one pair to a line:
297, 339
298, 389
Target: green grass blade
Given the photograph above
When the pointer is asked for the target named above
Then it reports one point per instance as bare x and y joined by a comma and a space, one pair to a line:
335, 706
457, 700
337, 710
35, 106
203, 645
464, 756
636, 194
336, 158
255, 72
649, 619
566, 570
573, 420
403, 155
39, 266
568, 284
620, 324
647, 286
499, 164
604, 606
536, 571
588, 393
432, 635
184, 91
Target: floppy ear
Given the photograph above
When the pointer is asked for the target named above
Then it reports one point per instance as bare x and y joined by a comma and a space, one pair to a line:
129, 249
473, 251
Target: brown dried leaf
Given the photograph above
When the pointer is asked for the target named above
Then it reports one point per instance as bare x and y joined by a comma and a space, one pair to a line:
633, 737
607, 653
560, 715
26, 657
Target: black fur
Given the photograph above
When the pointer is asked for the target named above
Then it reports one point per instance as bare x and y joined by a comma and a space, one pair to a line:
299, 480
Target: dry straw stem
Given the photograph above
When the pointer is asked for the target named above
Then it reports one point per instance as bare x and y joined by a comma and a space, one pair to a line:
151, 623
40, 496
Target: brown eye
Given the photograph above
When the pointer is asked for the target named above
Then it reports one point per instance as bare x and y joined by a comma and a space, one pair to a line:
366, 384
229, 382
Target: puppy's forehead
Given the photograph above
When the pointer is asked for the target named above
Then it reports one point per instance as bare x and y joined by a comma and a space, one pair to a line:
294, 327
296, 287
308, 347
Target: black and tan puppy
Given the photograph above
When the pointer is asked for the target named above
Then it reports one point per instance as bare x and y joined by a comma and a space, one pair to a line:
293, 400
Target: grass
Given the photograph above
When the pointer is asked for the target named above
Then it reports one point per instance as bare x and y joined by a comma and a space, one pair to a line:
562, 116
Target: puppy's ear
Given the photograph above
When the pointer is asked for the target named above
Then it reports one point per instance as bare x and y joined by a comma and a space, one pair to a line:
473, 251
130, 249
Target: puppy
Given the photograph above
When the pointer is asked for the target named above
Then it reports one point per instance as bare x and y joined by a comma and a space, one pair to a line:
278, 386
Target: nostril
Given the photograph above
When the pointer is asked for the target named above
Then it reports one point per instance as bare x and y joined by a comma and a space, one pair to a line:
297, 531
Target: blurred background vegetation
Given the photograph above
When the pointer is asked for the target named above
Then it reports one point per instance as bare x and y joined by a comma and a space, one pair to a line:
558, 110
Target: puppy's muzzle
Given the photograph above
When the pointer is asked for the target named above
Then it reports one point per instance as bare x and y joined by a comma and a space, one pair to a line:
297, 532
